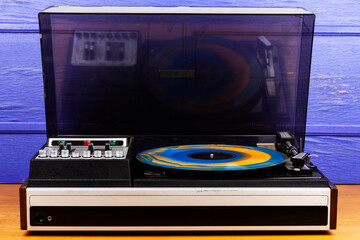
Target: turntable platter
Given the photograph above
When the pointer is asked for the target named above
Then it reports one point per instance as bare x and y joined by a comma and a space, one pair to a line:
211, 157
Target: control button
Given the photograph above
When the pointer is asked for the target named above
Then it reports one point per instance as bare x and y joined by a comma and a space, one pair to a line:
42, 153
68, 146
112, 143
53, 153
97, 153
86, 143
91, 147
75, 154
39, 218
65, 153
119, 153
108, 154
107, 146
86, 154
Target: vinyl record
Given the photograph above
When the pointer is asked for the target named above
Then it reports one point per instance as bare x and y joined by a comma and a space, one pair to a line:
211, 157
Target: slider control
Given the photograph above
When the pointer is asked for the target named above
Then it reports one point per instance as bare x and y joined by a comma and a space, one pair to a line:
92, 49
61, 146
86, 51
91, 148
121, 51
107, 146
69, 146
89, 51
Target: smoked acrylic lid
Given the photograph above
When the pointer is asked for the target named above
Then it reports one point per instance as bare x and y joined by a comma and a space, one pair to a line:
175, 71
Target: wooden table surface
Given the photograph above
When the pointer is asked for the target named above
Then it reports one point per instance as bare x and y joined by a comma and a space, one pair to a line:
348, 223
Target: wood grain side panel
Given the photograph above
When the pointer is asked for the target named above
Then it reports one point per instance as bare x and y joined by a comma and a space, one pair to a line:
22, 193
333, 206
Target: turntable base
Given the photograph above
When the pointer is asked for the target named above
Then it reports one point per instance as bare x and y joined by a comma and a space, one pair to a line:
348, 223
173, 209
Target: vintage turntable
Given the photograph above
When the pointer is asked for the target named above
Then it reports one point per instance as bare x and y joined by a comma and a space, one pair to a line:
176, 118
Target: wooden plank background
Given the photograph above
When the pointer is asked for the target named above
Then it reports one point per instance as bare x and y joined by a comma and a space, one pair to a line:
333, 131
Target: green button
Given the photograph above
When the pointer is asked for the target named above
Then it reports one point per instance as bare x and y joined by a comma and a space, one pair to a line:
112, 143
61, 142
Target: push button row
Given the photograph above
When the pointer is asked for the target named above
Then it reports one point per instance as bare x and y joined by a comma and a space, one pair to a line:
64, 153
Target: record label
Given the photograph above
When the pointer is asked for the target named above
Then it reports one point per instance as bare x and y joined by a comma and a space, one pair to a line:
211, 157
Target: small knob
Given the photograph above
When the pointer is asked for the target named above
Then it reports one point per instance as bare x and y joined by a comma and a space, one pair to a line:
65, 153
86, 154
108, 154
119, 153
75, 154
53, 153
97, 153
42, 153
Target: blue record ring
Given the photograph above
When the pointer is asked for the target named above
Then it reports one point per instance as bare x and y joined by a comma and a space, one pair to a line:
245, 158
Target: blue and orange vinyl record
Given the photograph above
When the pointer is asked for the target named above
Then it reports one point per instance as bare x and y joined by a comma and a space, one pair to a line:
211, 157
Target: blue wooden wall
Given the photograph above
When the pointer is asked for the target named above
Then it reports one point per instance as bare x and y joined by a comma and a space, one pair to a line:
333, 131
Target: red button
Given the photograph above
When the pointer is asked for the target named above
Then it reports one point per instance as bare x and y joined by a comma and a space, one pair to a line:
86, 143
